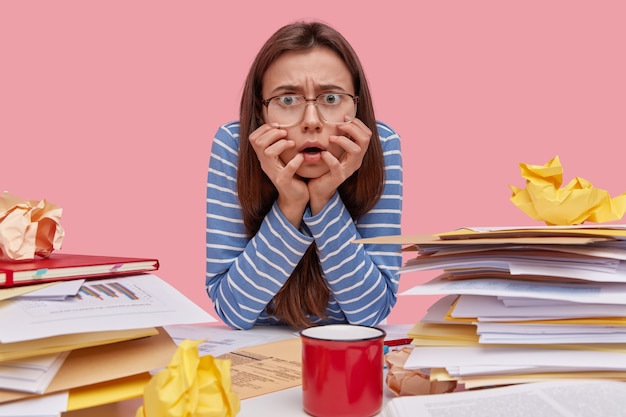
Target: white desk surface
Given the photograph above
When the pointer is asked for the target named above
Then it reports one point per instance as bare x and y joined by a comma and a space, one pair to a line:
282, 403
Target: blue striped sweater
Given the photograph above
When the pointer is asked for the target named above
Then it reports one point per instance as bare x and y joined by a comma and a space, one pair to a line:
243, 274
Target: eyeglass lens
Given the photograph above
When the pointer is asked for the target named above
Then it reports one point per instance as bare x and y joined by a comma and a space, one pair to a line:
288, 110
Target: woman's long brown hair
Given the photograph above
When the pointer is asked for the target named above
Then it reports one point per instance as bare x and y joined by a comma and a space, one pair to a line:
305, 292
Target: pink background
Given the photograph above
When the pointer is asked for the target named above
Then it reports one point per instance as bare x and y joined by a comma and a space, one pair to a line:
108, 108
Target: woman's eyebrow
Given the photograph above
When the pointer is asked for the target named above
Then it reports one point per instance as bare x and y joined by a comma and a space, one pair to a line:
298, 88
286, 87
326, 87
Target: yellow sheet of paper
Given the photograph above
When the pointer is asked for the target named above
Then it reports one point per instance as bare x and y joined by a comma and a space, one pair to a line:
495, 380
107, 392
481, 238
462, 335
440, 374
601, 321
570, 236
63, 343
443, 332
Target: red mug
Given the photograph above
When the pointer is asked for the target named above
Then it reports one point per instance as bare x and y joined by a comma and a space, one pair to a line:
342, 370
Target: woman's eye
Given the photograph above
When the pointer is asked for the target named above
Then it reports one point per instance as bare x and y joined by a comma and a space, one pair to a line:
331, 99
288, 100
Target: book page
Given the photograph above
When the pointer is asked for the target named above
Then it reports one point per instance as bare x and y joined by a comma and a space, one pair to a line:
566, 398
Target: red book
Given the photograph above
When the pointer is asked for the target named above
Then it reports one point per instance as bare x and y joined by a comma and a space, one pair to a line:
65, 266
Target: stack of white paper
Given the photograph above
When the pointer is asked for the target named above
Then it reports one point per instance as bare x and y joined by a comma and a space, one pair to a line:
101, 330
523, 304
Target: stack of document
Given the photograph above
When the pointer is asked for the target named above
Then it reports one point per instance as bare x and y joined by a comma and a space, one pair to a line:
90, 341
521, 304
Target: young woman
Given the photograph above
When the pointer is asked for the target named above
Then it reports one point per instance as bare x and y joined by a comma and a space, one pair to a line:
305, 171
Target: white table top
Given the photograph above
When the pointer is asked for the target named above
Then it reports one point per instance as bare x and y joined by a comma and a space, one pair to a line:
281, 403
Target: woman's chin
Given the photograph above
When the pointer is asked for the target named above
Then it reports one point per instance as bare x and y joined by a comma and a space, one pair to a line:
312, 172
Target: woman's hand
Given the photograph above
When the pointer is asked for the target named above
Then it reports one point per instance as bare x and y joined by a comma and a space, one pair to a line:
269, 142
354, 142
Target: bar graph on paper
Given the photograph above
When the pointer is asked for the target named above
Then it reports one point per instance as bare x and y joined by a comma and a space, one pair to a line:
107, 291
118, 303
107, 296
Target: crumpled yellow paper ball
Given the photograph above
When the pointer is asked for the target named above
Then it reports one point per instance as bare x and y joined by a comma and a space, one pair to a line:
28, 228
190, 386
543, 198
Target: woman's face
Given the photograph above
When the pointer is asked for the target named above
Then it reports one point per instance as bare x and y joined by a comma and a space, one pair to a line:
310, 74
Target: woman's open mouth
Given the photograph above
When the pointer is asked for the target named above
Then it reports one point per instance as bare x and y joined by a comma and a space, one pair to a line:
312, 154
312, 150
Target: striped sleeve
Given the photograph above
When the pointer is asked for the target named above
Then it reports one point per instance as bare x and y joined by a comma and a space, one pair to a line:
243, 274
363, 278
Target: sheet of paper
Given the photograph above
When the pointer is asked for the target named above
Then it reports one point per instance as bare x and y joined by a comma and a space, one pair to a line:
107, 392
475, 370
614, 231
442, 357
610, 250
395, 331
55, 344
487, 381
438, 310
444, 334
589, 226
532, 302
262, 369
588, 269
30, 374
503, 259
582, 292
578, 338
473, 238
221, 339
484, 307
528, 329
131, 302
40, 406
614, 252
8, 293
595, 272
56, 292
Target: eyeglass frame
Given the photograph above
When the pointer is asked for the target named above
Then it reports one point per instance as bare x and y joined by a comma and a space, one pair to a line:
355, 99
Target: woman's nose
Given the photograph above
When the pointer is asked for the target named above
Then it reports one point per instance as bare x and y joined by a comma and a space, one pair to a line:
311, 116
